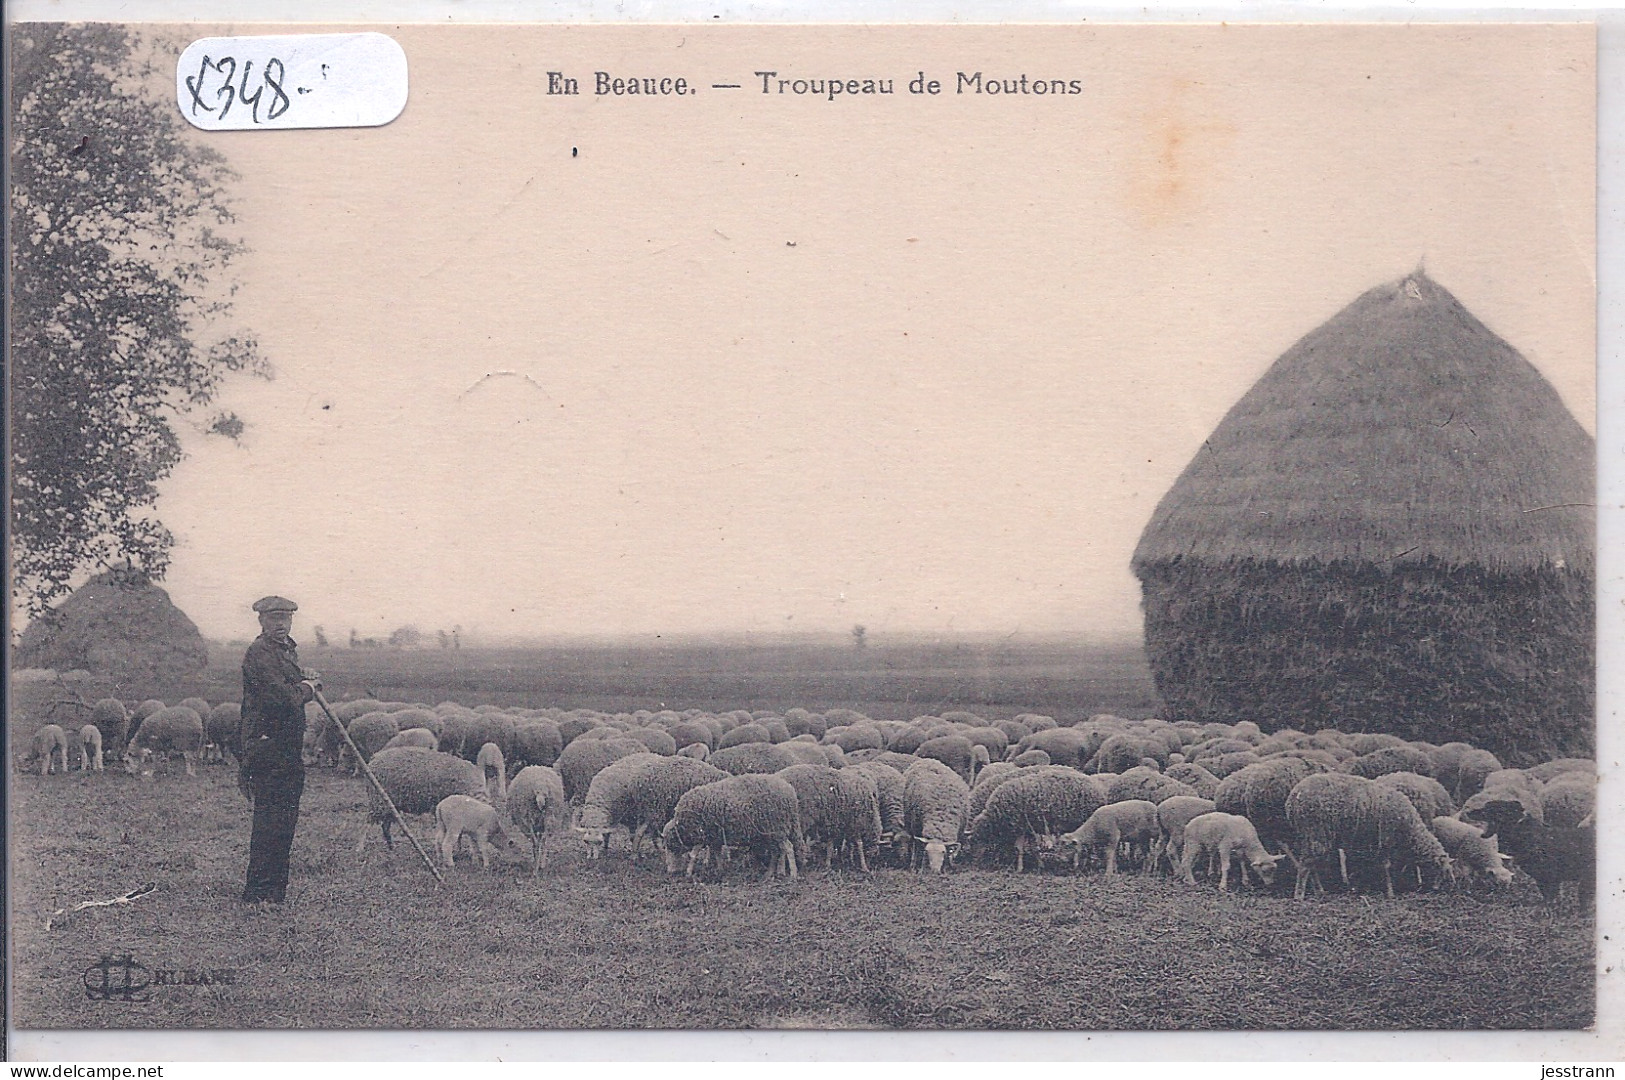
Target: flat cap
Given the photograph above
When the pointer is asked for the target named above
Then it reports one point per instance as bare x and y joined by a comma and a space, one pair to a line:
274, 603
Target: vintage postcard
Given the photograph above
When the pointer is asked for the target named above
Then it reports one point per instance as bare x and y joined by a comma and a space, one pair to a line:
1058, 528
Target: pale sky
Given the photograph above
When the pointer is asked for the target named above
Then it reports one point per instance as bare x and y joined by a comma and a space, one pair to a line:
766, 363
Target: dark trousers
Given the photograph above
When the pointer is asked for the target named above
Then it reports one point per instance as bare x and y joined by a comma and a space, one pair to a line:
277, 780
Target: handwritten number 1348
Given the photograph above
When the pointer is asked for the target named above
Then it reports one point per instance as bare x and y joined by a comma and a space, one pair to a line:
236, 89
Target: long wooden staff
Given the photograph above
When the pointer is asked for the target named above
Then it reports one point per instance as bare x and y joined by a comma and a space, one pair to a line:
367, 771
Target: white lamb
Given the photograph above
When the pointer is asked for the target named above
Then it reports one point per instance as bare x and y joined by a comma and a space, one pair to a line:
457, 816
90, 748
50, 742
490, 758
1223, 837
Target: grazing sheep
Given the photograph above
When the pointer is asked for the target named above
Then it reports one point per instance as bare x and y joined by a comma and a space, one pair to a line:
1218, 747
1132, 822
1259, 792
956, 752
198, 705
1568, 800
1425, 793
1225, 764
347, 711
574, 726
1548, 771
1224, 837
489, 759
168, 731
113, 721
657, 741
1034, 807
1205, 784
1328, 813
1390, 759
1470, 850
582, 758
1319, 760
1029, 758
490, 727
1368, 742
89, 744
802, 722
1510, 784
1552, 856
920, 731
890, 758
862, 736
50, 743
370, 732
1472, 769
987, 780
652, 791
1339, 812
743, 734
1122, 752
858, 825
834, 756
416, 779
1065, 746
697, 750
537, 807
1014, 731
889, 791
609, 803
689, 732
753, 757
935, 802
816, 787
139, 714
223, 730
1172, 817
459, 816
994, 741
806, 753
749, 809
1144, 782
417, 736
537, 742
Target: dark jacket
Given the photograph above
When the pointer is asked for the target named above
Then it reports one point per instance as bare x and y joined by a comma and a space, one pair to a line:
273, 699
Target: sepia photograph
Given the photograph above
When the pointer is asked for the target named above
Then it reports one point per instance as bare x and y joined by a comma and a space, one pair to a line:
1044, 528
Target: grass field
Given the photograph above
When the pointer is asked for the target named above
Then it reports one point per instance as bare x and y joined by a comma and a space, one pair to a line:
370, 941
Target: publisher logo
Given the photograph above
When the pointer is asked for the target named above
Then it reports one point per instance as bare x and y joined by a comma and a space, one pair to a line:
117, 978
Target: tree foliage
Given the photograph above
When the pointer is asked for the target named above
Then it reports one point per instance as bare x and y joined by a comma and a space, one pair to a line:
121, 304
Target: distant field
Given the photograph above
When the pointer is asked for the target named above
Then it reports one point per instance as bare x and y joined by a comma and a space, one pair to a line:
884, 681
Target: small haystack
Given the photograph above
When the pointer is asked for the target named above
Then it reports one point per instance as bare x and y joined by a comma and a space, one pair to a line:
120, 625
1391, 531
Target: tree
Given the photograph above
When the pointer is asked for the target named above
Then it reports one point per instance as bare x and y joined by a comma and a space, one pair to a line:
407, 637
860, 636
121, 304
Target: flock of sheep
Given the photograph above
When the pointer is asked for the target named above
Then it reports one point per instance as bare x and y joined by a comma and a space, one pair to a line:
1106, 792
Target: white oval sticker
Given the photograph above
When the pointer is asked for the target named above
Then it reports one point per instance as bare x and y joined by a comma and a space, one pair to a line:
291, 81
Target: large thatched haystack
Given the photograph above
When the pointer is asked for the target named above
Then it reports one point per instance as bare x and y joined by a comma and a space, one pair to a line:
117, 625
1391, 531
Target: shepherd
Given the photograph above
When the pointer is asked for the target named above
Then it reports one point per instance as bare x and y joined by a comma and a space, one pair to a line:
272, 773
